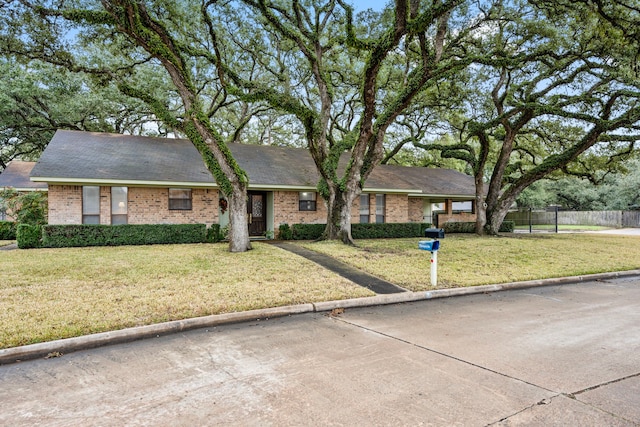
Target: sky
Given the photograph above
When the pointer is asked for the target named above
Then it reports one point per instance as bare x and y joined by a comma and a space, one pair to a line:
376, 5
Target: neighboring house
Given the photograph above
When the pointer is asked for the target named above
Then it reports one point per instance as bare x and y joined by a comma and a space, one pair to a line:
16, 176
99, 178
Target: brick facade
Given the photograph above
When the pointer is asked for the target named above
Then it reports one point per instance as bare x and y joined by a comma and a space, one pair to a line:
146, 205
416, 210
150, 205
286, 210
65, 204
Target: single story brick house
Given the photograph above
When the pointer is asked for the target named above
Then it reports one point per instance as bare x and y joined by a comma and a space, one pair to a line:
16, 176
100, 178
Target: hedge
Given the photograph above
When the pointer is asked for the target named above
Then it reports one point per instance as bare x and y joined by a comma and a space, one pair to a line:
214, 234
58, 236
470, 227
388, 230
358, 231
8, 230
307, 231
29, 236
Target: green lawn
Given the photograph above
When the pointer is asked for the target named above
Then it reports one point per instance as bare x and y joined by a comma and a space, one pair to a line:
469, 260
561, 227
6, 242
58, 293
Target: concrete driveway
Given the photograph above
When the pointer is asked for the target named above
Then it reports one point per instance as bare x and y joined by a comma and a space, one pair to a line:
561, 355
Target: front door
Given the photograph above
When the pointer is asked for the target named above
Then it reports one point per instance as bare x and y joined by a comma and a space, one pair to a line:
257, 213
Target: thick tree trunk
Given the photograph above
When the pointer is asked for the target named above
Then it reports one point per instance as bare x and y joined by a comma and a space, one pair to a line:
495, 217
239, 230
339, 216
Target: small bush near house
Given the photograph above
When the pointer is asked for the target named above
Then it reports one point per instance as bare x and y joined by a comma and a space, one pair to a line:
284, 232
214, 234
507, 226
307, 231
58, 236
26, 208
470, 227
8, 230
29, 236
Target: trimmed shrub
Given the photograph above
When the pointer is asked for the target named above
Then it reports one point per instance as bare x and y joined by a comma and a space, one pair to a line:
388, 230
470, 227
363, 231
284, 232
8, 230
507, 226
59, 236
29, 236
307, 231
213, 234
459, 227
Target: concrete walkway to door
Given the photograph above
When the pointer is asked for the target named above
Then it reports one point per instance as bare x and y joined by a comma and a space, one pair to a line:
359, 277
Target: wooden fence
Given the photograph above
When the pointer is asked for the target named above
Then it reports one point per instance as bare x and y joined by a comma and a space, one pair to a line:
599, 218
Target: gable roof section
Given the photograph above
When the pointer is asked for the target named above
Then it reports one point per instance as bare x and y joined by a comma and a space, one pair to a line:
435, 181
74, 157
105, 158
16, 176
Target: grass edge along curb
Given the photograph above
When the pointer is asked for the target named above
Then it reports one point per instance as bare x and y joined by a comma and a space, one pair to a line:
67, 345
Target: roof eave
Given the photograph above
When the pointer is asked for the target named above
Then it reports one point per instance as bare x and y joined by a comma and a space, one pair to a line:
123, 182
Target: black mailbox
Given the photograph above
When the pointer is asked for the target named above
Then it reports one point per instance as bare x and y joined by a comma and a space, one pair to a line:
434, 233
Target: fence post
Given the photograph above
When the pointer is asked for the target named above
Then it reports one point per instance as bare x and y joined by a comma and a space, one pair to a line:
530, 221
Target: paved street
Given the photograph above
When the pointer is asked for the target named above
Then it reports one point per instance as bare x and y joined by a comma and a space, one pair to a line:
563, 355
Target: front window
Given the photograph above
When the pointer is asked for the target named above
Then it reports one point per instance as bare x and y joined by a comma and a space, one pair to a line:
90, 204
380, 208
364, 209
461, 207
119, 208
307, 201
180, 199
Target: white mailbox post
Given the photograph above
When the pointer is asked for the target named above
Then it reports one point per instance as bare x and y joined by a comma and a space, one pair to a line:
432, 246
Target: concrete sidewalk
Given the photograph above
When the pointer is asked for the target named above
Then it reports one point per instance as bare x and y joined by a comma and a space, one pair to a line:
544, 356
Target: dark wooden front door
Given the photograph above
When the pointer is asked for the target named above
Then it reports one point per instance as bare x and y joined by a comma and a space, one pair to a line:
257, 213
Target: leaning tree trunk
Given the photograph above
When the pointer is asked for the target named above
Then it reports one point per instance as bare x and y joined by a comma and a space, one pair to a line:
239, 230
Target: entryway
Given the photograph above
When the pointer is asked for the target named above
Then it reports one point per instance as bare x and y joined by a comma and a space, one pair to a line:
257, 213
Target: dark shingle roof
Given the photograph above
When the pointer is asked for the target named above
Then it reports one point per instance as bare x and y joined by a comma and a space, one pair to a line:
16, 175
80, 156
77, 157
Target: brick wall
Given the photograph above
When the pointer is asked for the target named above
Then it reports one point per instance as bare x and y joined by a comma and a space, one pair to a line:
150, 205
416, 210
286, 210
396, 208
146, 205
458, 217
65, 204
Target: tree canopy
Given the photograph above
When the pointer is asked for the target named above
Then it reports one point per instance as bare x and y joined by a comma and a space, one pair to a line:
516, 91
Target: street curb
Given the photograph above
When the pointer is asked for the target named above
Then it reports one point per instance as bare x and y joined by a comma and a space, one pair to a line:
68, 345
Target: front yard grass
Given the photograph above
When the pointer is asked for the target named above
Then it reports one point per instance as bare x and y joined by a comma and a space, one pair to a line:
49, 294
6, 242
469, 260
